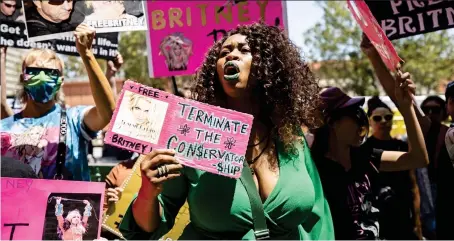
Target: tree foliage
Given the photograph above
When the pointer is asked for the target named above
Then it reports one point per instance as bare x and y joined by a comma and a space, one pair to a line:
133, 48
334, 42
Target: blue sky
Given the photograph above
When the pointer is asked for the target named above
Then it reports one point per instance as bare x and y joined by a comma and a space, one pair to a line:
296, 12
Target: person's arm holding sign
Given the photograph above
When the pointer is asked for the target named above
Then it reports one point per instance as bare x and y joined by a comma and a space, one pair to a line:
387, 80
99, 116
417, 156
6, 110
164, 190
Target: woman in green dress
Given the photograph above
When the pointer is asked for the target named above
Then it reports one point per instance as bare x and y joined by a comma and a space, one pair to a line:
254, 69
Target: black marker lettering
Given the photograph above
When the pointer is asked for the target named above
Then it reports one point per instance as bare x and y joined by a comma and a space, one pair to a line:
235, 126
13, 228
183, 106
191, 113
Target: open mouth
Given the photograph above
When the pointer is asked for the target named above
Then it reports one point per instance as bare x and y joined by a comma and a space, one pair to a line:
231, 71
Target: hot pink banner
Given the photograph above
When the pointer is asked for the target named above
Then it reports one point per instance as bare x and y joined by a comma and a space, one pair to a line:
181, 32
205, 137
372, 29
29, 208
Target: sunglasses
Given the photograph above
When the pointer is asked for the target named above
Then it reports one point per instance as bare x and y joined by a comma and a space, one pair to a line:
9, 5
32, 71
360, 117
431, 109
58, 2
378, 118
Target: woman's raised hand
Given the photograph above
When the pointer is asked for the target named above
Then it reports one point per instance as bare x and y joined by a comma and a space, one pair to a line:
84, 37
404, 89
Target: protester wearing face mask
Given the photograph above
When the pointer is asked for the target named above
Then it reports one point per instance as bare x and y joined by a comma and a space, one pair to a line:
398, 194
348, 170
33, 135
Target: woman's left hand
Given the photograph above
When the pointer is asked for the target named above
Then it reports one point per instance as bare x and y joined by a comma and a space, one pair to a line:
84, 37
404, 89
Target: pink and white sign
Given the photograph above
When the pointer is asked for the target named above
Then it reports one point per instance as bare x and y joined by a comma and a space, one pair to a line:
181, 32
205, 137
372, 29
38, 209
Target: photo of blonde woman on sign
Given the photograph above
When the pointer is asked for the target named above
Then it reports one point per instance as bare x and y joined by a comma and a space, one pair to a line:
140, 117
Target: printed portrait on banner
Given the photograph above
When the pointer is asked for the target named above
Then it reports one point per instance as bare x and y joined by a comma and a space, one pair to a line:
54, 19
142, 117
177, 49
72, 216
11, 11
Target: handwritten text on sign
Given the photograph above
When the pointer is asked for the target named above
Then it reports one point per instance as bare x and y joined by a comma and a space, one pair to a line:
181, 32
28, 207
377, 37
205, 137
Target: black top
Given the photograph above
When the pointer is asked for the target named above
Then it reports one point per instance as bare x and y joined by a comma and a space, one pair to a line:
395, 196
38, 26
350, 194
16, 169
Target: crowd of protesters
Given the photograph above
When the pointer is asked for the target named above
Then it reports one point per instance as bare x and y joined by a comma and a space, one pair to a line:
324, 167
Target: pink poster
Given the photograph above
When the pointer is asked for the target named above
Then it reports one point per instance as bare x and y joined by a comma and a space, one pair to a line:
372, 29
205, 137
38, 209
181, 32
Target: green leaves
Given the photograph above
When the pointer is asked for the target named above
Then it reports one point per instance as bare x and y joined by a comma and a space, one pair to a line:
133, 48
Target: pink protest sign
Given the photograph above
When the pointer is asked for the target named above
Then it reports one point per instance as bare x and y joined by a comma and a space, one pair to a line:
205, 137
372, 29
37, 209
181, 32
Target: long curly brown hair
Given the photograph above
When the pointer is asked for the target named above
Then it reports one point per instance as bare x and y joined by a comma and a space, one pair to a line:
287, 89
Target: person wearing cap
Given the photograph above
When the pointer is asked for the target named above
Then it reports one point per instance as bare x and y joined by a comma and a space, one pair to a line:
348, 170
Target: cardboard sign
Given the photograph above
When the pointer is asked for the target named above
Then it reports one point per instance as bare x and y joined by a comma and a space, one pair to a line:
205, 137
29, 209
404, 18
104, 16
131, 185
370, 27
181, 32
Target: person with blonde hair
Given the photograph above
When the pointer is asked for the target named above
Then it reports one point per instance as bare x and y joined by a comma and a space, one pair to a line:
73, 226
140, 107
62, 134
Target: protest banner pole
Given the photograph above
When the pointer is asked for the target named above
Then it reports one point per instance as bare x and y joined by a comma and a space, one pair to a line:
174, 85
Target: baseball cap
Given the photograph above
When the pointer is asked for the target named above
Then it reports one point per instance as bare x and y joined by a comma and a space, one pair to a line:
335, 99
